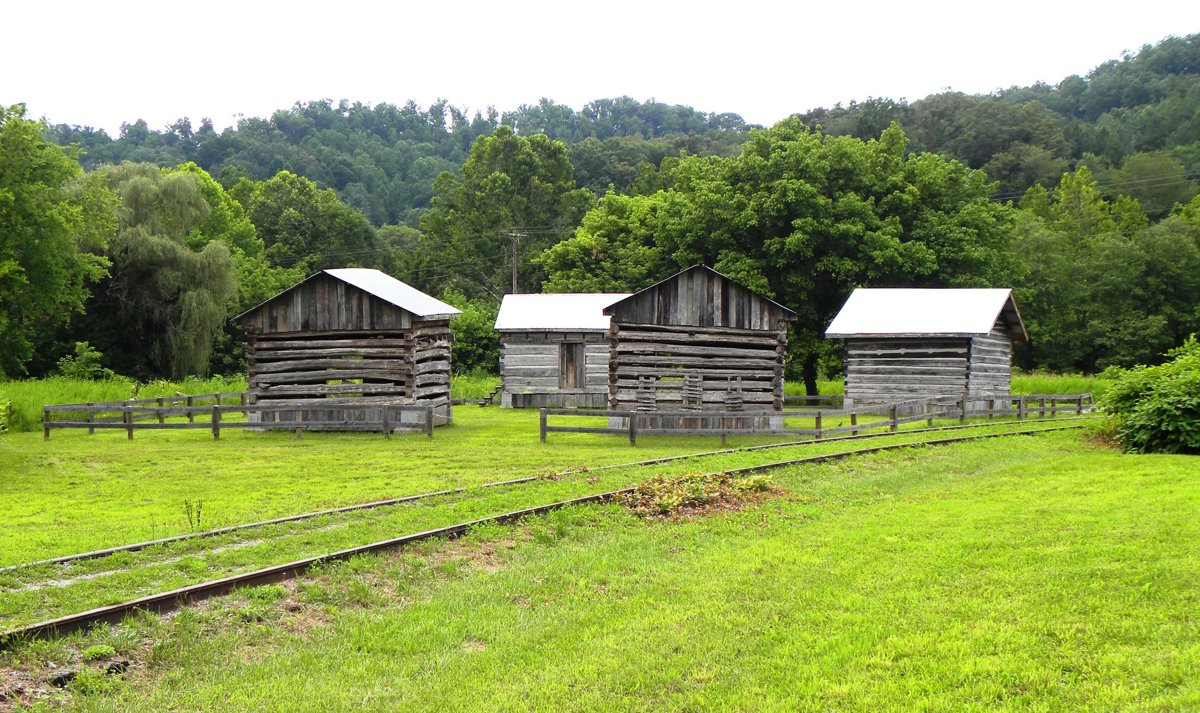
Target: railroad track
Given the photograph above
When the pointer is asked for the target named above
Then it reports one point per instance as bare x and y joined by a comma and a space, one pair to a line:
138, 546
169, 600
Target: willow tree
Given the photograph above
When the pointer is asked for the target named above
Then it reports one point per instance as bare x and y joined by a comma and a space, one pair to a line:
172, 279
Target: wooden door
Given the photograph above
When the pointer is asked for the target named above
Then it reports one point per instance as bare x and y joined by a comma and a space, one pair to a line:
571, 365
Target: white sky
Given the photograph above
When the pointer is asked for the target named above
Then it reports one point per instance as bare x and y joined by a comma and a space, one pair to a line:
100, 63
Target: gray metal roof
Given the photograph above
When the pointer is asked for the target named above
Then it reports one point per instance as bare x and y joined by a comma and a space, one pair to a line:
389, 289
895, 312
565, 312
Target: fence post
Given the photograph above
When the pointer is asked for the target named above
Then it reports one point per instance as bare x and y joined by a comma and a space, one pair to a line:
929, 413
127, 416
1020, 408
386, 418
429, 422
91, 417
854, 422
159, 402
45, 424
216, 420
633, 428
191, 416
892, 417
818, 426
542, 424
1079, 406
1041, 407
991, 409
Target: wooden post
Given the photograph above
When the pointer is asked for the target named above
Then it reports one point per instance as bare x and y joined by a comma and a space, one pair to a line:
1041, 407
892, 416
991, 409
1079, 406
854, 422
191, 416
542, 424
1020, 407
127, 416
159, 401
91, 417
45, 424
633, 428
817, 430
216, 420
929, 413
429, 422
386, 417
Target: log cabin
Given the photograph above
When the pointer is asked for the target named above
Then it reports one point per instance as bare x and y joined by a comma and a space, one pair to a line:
351, 332
554, 350
697, 341
904, 344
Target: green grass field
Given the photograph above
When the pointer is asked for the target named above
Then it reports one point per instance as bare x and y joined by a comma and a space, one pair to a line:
1027, 573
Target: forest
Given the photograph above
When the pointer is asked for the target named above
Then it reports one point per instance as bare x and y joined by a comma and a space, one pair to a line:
129, 255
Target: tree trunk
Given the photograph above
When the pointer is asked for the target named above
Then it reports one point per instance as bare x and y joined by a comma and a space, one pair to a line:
808, 372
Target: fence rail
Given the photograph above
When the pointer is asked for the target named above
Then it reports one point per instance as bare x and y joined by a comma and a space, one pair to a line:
888, 417
152, 414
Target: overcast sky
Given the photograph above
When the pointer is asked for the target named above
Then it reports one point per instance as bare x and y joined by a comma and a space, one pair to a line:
100, 63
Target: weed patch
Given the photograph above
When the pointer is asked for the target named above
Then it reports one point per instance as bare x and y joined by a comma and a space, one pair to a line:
691, 494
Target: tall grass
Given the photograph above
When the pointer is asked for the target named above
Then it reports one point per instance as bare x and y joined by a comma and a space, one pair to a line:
1040, 382
26, 398
475, 385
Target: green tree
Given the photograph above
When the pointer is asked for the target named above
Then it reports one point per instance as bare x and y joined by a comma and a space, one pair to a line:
512, 189
52, 231
303, 225
802, 218
171, 284
1105, 288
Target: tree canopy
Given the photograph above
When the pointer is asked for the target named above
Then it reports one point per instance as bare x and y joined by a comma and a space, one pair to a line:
52, 233
802, 218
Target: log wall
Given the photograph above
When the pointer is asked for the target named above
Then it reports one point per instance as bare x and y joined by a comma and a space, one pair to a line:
886, 370
410, 366
534, 370
668, 367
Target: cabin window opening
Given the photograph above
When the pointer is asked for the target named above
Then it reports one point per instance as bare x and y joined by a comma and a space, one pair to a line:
571, 360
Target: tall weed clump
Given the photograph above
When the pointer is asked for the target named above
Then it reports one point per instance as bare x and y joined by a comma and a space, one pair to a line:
1157, 408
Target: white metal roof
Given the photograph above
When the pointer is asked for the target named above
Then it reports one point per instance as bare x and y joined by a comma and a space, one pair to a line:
389, 289
926, 312
571, 311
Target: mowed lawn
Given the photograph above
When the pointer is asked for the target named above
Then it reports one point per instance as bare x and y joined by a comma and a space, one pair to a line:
77, 492
1026, 573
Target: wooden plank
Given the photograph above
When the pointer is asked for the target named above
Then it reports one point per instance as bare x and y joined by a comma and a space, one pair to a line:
313, 364
703, 362
302, 377
426, 367
650, 347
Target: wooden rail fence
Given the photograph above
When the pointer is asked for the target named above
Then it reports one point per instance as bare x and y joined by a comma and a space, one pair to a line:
191, 412
888, 417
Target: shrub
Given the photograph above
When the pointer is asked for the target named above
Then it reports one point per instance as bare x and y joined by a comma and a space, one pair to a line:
84, 365
1157, 408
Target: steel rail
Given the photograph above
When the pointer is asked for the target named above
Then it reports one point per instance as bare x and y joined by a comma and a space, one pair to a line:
138, 546
167, 601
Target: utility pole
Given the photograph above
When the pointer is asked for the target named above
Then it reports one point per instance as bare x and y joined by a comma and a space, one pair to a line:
514, 234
